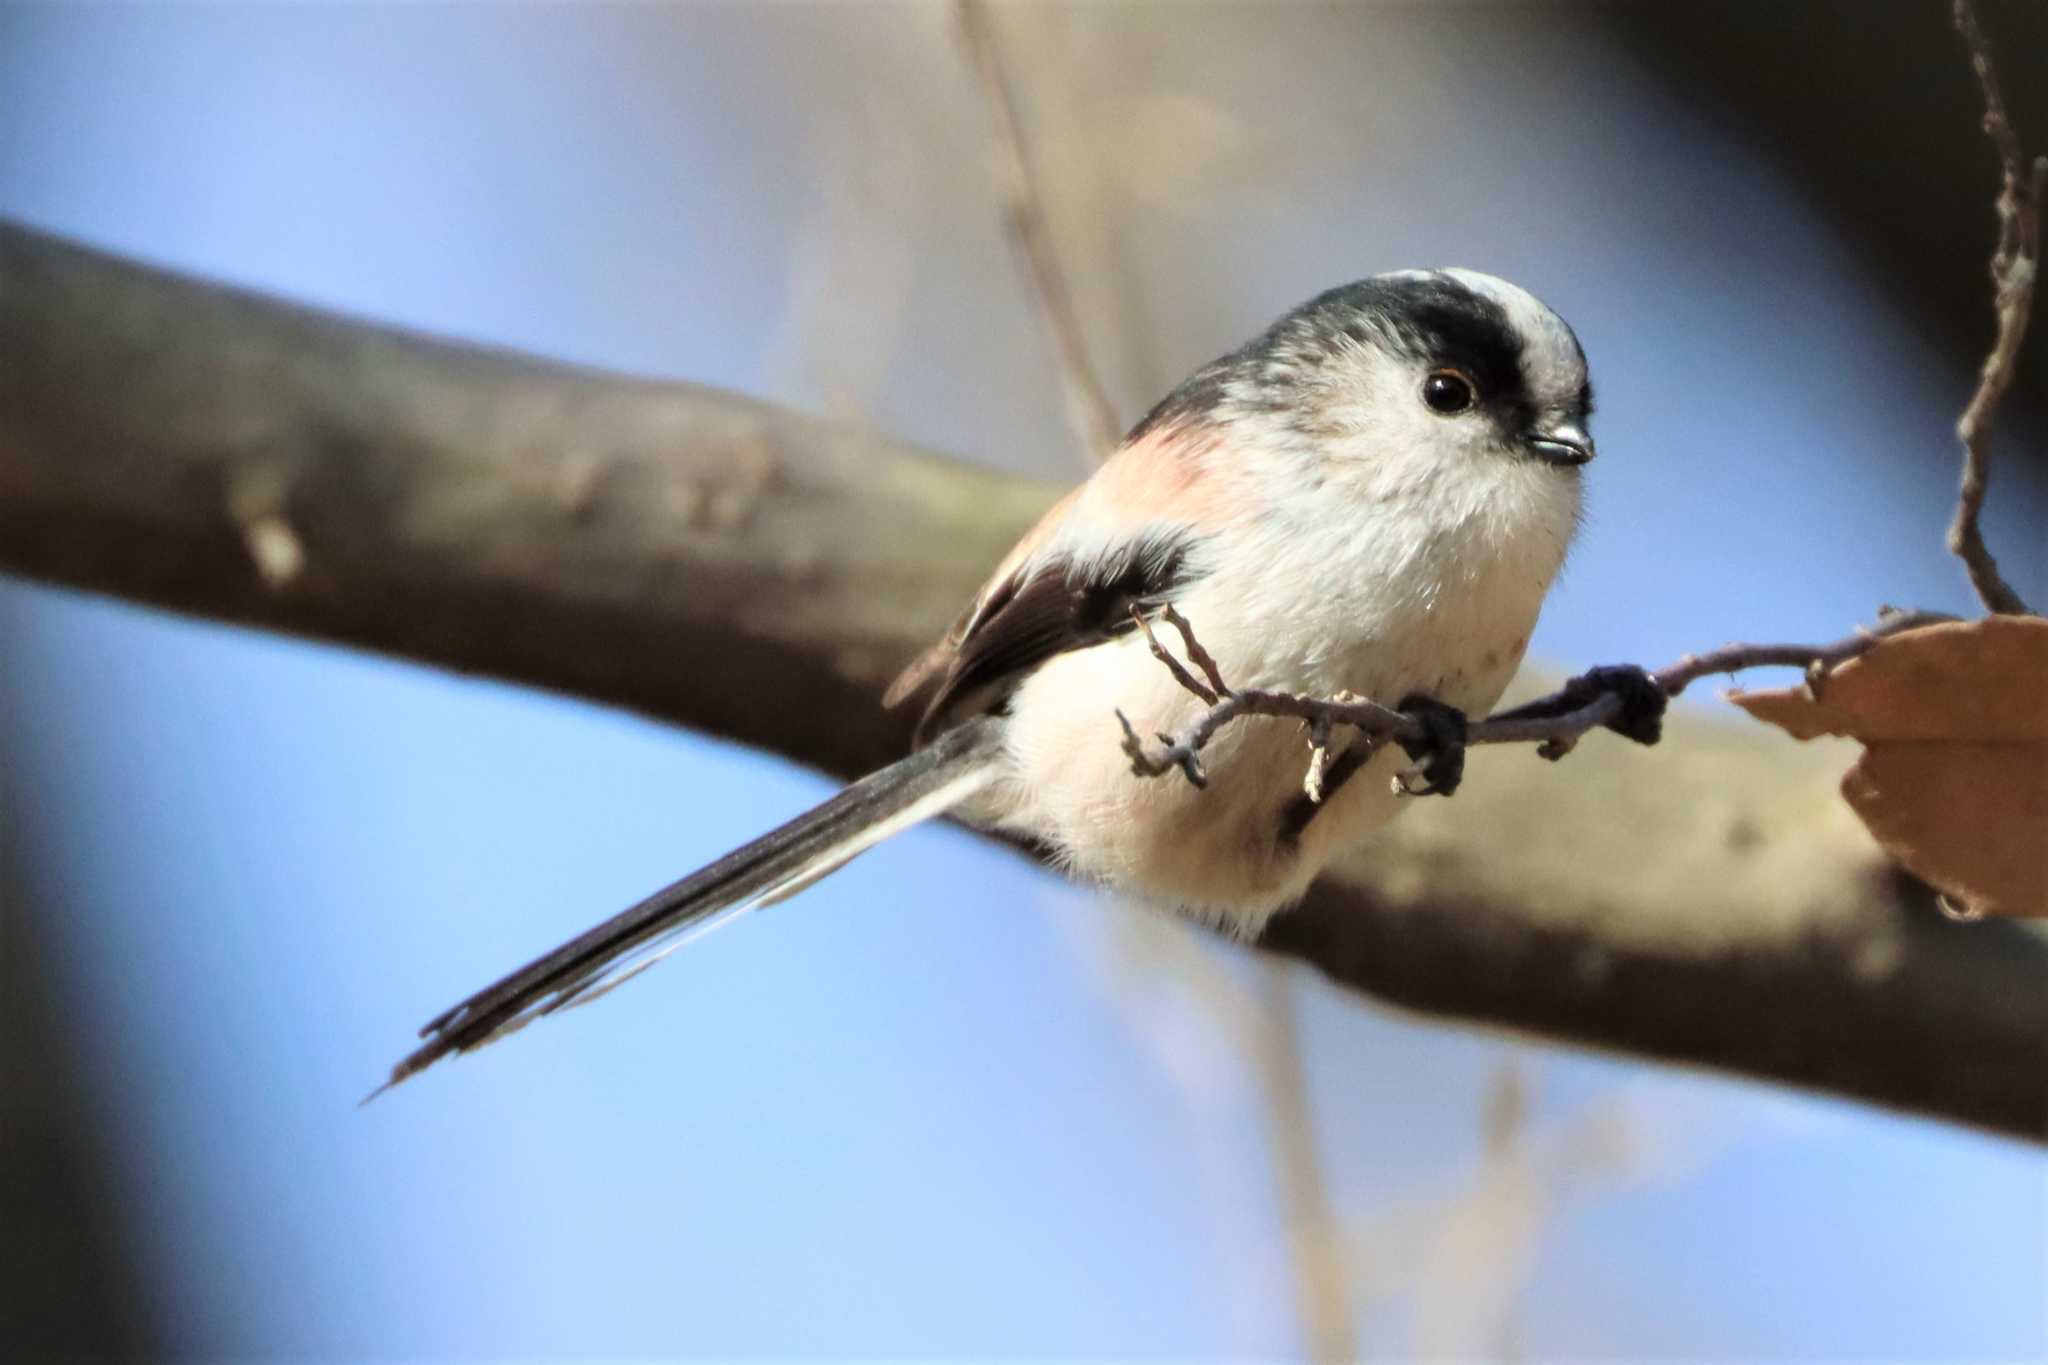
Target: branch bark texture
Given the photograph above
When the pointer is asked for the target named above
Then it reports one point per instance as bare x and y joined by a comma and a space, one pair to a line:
715, 562
683, 552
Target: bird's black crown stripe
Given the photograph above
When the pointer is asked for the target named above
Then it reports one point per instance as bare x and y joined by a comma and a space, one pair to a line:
1432, 318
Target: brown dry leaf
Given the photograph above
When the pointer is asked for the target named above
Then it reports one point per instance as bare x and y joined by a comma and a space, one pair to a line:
1953, 781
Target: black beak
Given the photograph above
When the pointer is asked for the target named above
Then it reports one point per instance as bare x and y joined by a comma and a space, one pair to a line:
1566, 445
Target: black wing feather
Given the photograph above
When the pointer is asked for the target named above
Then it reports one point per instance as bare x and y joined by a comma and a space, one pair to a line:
1059, 604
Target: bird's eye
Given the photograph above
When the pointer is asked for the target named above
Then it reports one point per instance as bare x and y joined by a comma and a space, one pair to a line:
1449, 391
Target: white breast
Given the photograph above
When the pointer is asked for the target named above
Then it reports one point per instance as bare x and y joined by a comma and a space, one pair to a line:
1431, 585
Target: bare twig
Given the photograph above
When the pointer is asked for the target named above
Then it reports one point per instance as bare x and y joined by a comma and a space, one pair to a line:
1198, 656
1090, 414
1555, 733
2015, 263
1212, 691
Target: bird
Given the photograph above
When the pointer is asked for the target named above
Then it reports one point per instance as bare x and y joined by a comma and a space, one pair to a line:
1373, 496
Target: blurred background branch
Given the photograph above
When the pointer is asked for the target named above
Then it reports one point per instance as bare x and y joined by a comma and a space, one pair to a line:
1322, 1278
555, 526
1091, 416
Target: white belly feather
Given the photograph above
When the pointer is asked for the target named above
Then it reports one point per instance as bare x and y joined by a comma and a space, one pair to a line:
1449, 617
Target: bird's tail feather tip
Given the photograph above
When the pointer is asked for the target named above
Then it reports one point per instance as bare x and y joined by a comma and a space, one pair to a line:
411, 1065
398, 1075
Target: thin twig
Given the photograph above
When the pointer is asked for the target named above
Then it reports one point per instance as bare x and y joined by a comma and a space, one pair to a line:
1090, 414
1555, 733
1200, 657
1210, 692
2015, 263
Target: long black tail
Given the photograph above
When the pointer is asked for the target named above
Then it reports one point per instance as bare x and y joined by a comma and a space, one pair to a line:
778, 864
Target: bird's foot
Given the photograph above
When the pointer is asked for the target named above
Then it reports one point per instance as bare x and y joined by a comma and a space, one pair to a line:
1439, 752
1640, 716
1643, 702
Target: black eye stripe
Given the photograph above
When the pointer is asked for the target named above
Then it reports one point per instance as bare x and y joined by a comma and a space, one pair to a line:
1442, 323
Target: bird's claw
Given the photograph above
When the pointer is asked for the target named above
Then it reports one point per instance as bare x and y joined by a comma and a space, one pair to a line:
1641, 717
1439, 751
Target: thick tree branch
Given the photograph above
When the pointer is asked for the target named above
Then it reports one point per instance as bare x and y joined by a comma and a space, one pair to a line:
660, 546
714, 562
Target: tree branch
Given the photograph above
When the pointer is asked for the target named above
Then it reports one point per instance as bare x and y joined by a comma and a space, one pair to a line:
2015, 265
714, 562
659, 546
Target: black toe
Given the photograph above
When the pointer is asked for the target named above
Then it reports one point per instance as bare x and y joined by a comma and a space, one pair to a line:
1440, 749
1641, 717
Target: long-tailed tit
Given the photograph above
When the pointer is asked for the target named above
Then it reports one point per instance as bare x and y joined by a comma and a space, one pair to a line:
1374, 495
